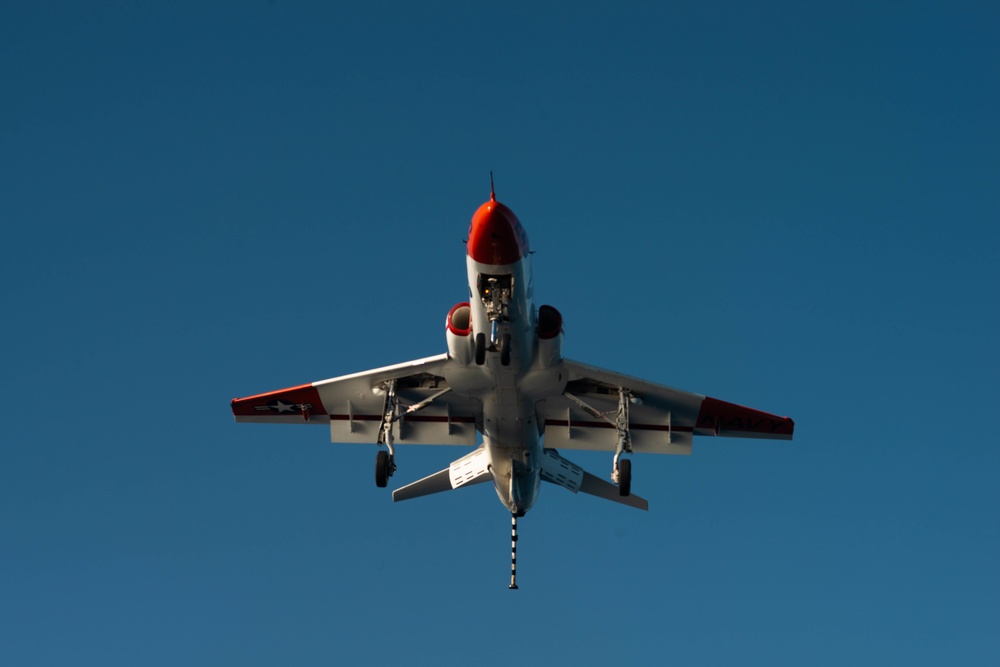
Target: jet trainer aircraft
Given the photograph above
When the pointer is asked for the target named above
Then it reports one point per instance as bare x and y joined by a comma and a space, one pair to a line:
504, 376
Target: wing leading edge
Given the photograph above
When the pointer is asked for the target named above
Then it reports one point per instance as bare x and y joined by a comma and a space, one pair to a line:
662, 420
428, 411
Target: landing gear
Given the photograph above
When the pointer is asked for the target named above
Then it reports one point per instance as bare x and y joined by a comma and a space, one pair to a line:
621, 473
505, 349
385, 460
384, 468
621, 468
480, 349
385, 464
624, 477
503, 346
496, 293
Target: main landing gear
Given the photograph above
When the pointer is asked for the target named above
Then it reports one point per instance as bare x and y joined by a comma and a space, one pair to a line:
385, 464
624, 477
384, 467
621, 469
621, 473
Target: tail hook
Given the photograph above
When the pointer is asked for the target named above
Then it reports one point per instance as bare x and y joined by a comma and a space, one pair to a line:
513, 552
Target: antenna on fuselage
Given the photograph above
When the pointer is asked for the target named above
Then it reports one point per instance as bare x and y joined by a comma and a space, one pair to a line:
493, 194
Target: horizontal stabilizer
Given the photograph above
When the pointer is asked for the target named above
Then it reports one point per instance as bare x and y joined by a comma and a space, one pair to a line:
470, 469
564, 473
436, 483
596, 486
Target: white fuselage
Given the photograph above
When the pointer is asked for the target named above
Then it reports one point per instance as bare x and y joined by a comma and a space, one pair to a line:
508, 375
511, 434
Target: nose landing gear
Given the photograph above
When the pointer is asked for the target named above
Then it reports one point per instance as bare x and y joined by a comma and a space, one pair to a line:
495, 292
505, 349
480, 349
502, 346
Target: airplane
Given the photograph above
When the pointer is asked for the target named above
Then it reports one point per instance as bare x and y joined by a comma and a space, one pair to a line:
504, 377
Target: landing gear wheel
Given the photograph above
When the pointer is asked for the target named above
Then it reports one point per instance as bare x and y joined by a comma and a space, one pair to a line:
382, 469
505, 350
624, 477
480, 349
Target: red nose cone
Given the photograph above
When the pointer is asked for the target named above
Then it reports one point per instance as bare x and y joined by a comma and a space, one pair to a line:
496, 235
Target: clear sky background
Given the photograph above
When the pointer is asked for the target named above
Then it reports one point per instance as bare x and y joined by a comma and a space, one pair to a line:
780, 204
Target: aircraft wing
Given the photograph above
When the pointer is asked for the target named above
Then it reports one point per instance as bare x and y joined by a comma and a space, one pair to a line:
662, 421
428, 412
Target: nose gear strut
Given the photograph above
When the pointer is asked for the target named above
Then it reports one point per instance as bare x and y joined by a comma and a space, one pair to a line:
495, 293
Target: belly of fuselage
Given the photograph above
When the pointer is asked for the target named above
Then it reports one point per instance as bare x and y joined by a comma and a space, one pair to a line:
510, 428
508, 392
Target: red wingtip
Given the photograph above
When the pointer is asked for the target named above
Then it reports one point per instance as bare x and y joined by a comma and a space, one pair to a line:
722, 418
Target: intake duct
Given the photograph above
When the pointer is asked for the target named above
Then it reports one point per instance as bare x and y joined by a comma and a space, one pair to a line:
458, 330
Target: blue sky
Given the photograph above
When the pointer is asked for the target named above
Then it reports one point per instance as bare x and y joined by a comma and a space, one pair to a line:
783, 205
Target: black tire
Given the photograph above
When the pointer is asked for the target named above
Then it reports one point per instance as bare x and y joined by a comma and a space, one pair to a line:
505, 350
382, 469
480, 349
624, 477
